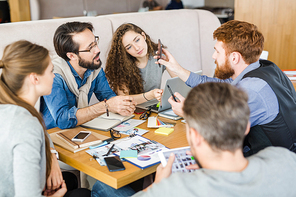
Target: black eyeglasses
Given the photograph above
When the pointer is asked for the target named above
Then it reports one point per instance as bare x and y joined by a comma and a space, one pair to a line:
146, 114
93, 45
115, 134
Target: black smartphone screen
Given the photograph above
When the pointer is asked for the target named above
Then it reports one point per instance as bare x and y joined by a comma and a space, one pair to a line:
81, 135
114, 164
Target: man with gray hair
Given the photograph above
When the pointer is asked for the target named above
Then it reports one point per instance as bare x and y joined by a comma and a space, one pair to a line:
217, 116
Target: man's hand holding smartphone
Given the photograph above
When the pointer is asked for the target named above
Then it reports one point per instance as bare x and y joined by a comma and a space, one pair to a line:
177, 106
159, 52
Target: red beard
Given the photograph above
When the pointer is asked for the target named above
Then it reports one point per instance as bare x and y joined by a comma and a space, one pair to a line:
224, 71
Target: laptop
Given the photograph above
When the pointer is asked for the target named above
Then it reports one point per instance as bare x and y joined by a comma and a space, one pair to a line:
164, 109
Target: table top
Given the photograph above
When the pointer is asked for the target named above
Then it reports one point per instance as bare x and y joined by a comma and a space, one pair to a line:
83, 161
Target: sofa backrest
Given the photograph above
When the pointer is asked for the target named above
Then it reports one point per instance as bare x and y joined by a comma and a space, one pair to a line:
186, 33
41, 32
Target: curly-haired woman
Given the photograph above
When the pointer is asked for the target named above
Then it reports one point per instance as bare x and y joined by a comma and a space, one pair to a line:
131, 69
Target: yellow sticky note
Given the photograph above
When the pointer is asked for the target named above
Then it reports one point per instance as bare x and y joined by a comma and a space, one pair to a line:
164, 131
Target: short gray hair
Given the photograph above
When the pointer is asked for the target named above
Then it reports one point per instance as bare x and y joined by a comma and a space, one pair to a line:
220, 113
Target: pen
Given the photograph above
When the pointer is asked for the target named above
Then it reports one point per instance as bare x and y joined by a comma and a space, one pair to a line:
106, 105
172, 93
109, 151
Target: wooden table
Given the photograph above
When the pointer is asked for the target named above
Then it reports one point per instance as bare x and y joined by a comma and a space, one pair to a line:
82, 160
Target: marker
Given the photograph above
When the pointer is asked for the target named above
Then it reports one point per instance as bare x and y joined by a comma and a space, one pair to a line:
109, 151
97, 146
172, 93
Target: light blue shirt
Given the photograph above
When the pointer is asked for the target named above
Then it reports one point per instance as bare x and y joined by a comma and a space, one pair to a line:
60, 107
262, 100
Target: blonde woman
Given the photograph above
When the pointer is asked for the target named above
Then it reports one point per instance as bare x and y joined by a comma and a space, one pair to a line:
26, 159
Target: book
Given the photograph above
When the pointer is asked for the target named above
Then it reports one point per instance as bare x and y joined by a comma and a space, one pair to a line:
105, 122
147, 150
291, 74
63, 138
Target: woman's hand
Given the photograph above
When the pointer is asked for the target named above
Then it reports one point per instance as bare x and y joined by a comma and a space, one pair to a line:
55, 179
157, 93
58, 192
154, 94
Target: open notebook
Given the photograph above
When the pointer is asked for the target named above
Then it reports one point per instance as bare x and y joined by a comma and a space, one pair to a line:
105, 122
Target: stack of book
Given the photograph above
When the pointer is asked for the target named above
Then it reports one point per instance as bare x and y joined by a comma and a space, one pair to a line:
291, 74
63, 138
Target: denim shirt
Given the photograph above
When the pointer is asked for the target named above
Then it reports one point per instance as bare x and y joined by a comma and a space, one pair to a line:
262, 101
60, 107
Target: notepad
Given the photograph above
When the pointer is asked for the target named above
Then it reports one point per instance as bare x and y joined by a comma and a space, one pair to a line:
164, 131
128, 154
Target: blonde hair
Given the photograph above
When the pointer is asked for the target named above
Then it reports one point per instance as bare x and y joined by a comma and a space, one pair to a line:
19, 60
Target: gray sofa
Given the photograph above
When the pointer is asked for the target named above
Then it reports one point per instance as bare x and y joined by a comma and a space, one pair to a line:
186, 33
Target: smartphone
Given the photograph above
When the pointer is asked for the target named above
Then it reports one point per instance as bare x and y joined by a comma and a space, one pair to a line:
159, 50
139, 110
81, 136
114, 164
175, 98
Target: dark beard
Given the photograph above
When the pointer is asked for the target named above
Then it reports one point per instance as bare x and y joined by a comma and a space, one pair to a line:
224, 71
90, 65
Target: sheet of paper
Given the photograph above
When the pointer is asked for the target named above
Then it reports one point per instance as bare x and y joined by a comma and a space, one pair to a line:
99, 152
128, 125
136, 130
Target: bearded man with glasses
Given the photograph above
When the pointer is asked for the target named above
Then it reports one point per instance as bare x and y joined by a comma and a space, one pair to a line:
79, 75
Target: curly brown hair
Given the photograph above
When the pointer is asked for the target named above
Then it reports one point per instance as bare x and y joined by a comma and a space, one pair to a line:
121, 69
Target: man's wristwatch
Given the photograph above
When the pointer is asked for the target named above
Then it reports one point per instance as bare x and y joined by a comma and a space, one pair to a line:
55, 152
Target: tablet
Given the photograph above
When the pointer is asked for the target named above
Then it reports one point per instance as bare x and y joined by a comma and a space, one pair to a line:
181, 159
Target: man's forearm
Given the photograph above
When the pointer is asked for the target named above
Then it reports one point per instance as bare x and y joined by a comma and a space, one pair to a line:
183, 74
86, 114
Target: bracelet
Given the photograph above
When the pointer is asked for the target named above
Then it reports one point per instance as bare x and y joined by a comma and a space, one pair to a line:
145, 97
55, 152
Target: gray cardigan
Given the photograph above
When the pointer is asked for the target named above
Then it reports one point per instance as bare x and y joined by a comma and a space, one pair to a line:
22, 155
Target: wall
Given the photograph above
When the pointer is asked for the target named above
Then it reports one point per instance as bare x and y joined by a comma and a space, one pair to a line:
220, 3
276, 20
68, 8
19, 10
193, 3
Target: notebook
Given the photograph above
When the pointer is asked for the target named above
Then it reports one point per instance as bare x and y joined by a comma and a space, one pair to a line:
63, 138
105, 123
